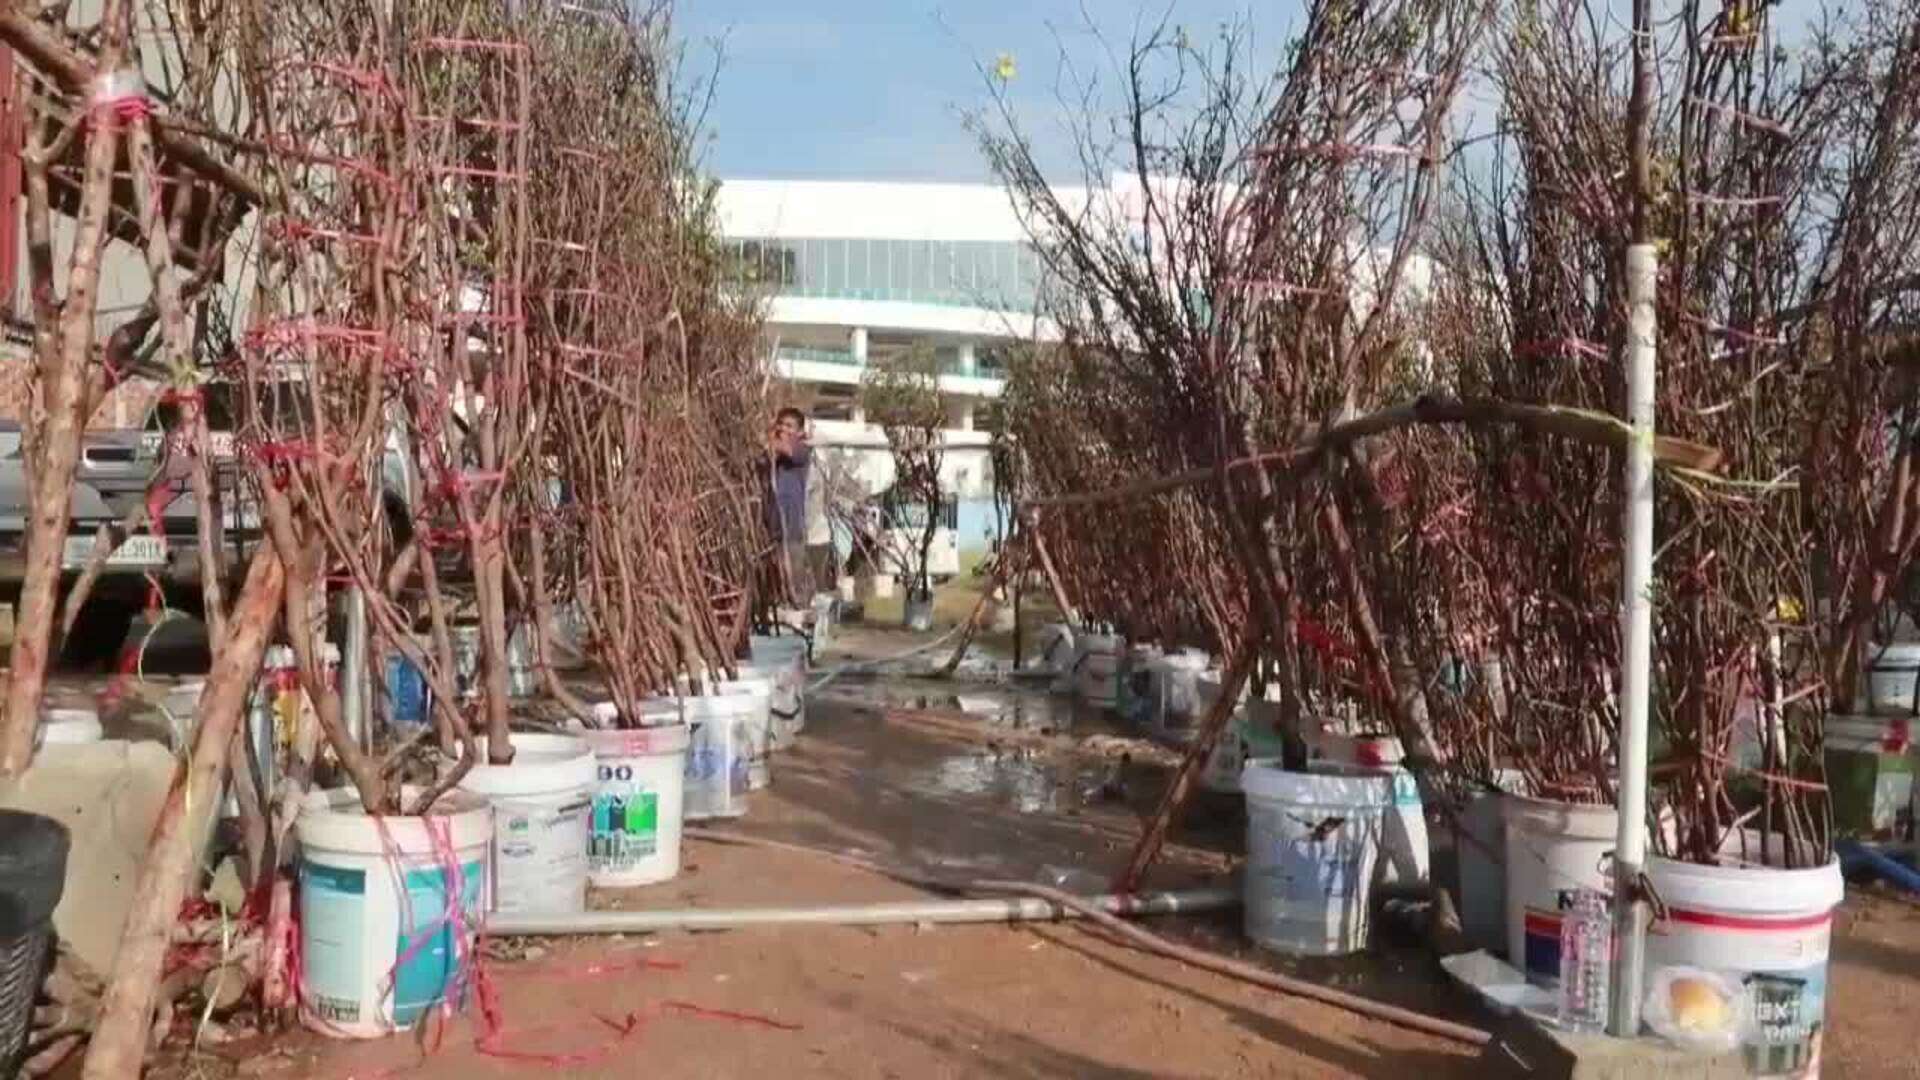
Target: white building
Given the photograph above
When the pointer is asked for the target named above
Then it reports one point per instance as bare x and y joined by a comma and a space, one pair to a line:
857, 271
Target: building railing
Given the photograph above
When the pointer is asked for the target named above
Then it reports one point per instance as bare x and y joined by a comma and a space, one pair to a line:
987, 364
816, 355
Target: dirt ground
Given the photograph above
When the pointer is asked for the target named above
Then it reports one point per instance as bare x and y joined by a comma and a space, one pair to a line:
1004, 785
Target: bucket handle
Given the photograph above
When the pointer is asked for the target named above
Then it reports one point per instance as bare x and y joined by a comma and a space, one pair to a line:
1641, 887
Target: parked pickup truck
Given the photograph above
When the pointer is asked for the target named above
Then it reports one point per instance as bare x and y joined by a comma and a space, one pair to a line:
99, 498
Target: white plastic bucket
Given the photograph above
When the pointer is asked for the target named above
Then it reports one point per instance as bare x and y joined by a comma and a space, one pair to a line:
1058, 654
390, 909
1482, 851
1312, 839
1763, 930
1553, 848
1870, 771
716, 765
465, 641
918, 614
1177, 707
753, 714
523, 678
1891, 673
1097, 670
1406, 851
639, 802
783, 662
181, 706
825, 607
1221, 774
540, 808
1136, 687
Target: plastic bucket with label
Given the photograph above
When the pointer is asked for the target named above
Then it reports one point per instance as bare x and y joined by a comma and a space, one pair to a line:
390, 909
750, 708
1135, 689
1406, 852
1229, 754
1482, 851
540, 808
1177, 701
1870, 773
1058, 654
1553, 848
1312, 840
1764, 931
639, 800
782, 661
1097, 670
717, 748
1892, 671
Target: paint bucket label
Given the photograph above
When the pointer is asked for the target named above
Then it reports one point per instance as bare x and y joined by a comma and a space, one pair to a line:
625, 821
1780, 964
540, 856
426, 953
1311, 869
333, 911
407, 691
336, 919
1543, 940
1787, 1010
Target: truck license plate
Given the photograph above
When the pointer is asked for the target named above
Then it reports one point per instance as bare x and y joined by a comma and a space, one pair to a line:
138, 551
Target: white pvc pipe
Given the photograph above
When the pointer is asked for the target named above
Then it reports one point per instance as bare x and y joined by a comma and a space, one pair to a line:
1636, 633
353, 672
996, 909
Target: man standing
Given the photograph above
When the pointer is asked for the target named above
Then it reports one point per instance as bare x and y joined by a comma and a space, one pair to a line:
792, 465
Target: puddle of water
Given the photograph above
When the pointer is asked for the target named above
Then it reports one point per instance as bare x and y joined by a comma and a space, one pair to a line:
1004, 707
1015, 778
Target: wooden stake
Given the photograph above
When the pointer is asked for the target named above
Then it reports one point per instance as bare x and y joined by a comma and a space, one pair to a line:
1239, 666
1011, 557
120, 1043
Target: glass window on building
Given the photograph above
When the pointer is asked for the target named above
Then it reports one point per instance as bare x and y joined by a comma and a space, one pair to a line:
1006, 276
813, 268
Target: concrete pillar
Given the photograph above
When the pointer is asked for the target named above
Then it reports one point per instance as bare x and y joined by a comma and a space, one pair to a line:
960, 413
969, 363
857, 341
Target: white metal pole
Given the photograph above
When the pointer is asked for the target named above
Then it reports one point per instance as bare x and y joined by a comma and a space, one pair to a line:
1636, 654
354, 699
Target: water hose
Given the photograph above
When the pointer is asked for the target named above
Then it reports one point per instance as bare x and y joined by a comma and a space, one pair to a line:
1096, 910
1894, 872
987, 910
1034, 902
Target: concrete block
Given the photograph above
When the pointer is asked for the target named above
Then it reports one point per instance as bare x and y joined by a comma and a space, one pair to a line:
1525, 1047
108, 794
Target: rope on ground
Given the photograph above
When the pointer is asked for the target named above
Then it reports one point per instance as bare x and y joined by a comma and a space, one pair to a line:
1134, 935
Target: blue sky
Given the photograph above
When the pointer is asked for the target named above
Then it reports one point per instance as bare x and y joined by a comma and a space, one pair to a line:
873, 89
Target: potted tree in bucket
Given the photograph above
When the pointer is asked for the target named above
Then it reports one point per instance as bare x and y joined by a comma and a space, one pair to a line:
901, 394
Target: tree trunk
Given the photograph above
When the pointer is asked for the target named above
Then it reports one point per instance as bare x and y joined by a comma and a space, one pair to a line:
51, 430
120, 1043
